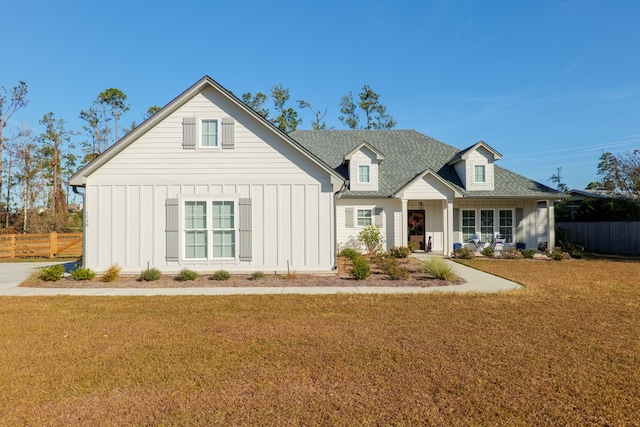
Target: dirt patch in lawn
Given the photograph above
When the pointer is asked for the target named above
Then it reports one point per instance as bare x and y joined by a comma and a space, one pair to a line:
342, 279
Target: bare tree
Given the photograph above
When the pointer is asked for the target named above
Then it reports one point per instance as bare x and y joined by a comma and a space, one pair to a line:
8, 106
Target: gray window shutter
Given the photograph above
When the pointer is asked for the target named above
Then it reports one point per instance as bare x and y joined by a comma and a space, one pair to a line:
172, 229
456, 219
227, 132
519, 226
348, 217
377, 217
246, 245
189, 132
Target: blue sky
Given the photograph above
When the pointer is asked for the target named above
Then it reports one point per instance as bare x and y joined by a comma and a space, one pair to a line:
547, 83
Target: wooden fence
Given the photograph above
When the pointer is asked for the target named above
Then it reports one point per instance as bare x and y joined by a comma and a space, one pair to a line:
605, 237
48, 245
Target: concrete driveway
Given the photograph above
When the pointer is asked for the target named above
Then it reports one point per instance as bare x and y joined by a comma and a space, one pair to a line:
12, 274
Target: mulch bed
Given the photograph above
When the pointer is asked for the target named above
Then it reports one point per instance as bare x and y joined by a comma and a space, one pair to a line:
377, 279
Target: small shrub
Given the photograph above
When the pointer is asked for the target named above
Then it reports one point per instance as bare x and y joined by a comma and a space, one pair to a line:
257, 275
360, 269
528, 253
150, 275
52, 273
371, 237
186, 275
221, 275
391, 267
438, 268
400, 252
349, 253
111, 274
82, 273
511, 253
463, 253
558, 255
488, 251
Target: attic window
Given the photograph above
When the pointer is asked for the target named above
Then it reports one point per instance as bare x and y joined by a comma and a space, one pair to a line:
479, 174
363, 174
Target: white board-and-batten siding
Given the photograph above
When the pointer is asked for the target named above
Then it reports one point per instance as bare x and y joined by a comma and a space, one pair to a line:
291, 197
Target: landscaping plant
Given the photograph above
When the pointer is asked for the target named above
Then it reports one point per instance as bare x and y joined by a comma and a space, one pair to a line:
82, 273
150, 275
360, 269
438, 268
372, 239
221, 275
111, 274
52, 273
186, 275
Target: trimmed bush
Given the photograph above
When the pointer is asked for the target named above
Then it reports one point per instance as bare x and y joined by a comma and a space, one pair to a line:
360, 269
221, 275
186, 275
52, 273
349, 253
111, 274
150, 275
528, 253
82, 273
463, 253
488, 251
438, 268
257, 275
400, 252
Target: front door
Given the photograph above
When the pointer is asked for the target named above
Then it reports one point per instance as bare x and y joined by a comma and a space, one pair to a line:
416, 229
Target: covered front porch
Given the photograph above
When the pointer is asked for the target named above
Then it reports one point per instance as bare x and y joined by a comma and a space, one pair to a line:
425, 225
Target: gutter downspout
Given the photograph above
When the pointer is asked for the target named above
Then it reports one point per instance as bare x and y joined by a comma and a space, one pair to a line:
84, 210
345, 187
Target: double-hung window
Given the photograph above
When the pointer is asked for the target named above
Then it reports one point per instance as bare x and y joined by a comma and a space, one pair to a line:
223, 230
209, 136
363, 174
486, 225
364, 217
479, 173
506, 225
196, 235
210, 229
468, 225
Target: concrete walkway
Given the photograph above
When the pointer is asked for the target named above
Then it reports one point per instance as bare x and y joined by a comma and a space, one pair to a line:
12, 274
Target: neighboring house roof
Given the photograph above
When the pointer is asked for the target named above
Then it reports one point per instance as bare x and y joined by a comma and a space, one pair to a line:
408, 154
79, 178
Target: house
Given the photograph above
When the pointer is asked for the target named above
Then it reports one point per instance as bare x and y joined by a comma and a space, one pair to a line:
206, 183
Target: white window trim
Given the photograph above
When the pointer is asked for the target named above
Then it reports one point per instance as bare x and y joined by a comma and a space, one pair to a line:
368, 174
496, 219
484, 173
209, 199
218, 146
363, 208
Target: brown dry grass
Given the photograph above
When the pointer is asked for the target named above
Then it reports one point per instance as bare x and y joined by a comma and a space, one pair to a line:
564, 351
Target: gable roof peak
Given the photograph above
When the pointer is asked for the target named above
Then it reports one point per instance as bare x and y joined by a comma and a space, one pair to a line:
359, 147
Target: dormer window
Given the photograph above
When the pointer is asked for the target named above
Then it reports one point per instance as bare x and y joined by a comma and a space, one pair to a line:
364, 176
480, 173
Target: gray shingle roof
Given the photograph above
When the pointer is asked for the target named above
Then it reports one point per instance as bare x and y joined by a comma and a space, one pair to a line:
407, 154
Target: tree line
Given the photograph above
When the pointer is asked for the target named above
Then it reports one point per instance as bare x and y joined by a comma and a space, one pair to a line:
35, 166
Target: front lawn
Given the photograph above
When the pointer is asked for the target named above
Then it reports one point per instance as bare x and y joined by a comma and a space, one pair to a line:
563, 351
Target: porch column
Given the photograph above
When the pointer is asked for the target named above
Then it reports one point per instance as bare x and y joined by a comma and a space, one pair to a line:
447, 213
551, 227
405, 225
